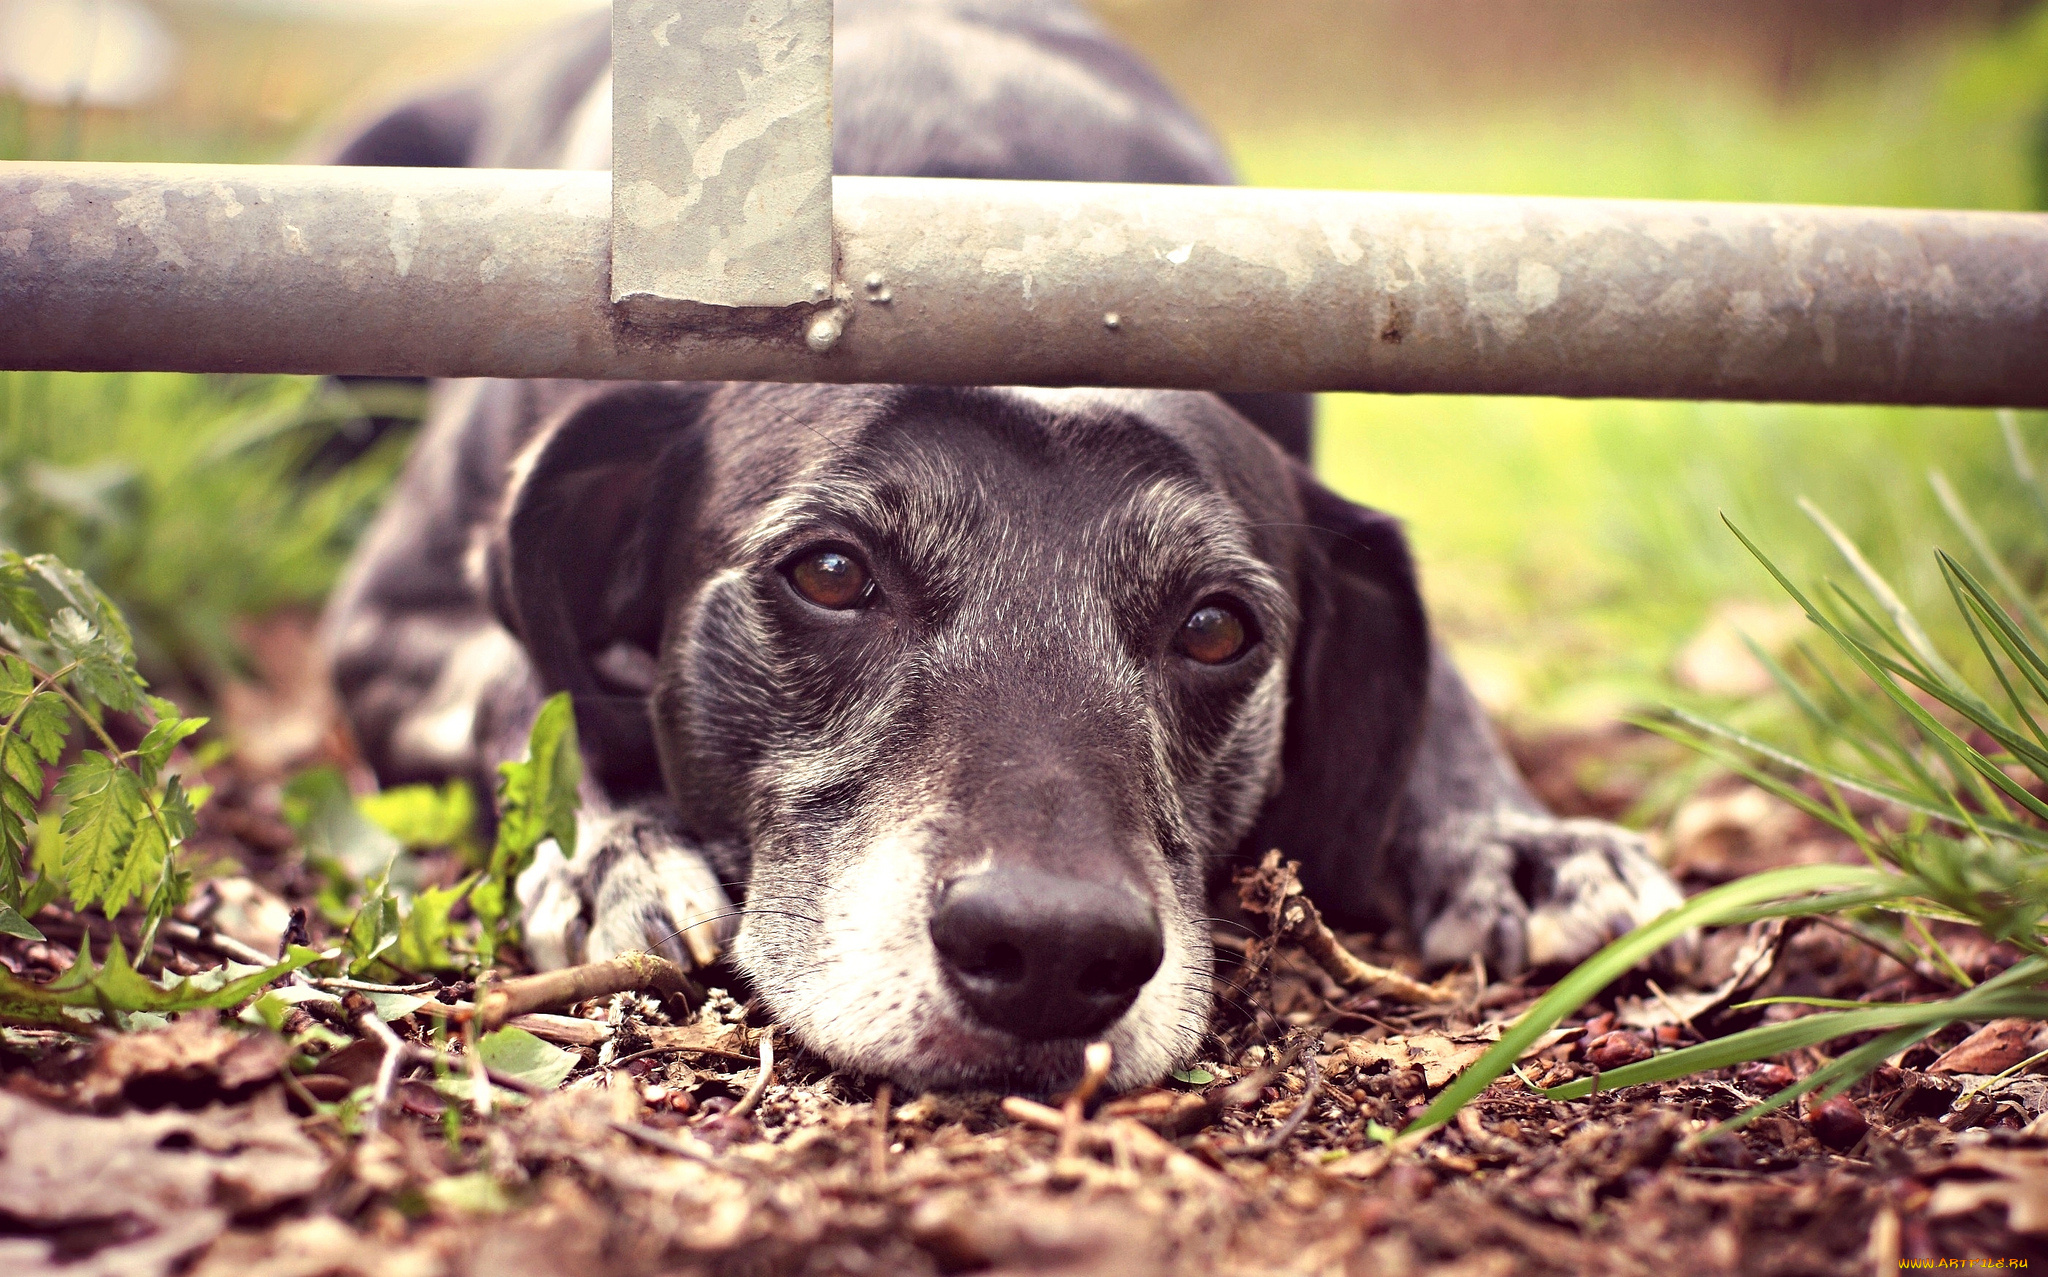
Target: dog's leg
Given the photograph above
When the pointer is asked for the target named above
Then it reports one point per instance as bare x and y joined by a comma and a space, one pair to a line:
434, 686
425, 673
634, 883
1490, 872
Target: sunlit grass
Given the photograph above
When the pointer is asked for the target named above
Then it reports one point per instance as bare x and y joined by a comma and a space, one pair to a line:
1571, 547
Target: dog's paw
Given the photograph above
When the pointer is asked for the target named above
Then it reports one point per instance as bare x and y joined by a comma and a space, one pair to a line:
632, 885
1523, 890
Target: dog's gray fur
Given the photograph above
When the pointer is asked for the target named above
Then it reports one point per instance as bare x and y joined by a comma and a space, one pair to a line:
1013, 693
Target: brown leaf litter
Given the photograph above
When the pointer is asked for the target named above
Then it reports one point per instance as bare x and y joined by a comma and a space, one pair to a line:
210, 1149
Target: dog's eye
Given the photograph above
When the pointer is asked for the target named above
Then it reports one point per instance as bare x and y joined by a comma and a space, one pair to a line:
830, 578
1213, 634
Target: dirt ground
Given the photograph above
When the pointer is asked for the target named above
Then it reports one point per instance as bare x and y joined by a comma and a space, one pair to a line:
666, 1149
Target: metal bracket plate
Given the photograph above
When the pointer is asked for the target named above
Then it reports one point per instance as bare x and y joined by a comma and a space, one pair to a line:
721, 152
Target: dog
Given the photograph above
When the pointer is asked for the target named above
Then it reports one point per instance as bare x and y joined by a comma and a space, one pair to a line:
945, 709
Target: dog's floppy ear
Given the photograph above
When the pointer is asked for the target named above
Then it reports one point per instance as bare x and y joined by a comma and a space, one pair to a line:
1357, 693
578, 561
437, 130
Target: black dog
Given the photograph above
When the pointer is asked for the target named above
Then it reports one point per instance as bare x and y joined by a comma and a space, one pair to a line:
968, 694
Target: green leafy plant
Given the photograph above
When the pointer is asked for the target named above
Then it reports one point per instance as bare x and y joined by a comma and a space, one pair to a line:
114, 991
1961, 837
536, 801
194, 501
390, 922
67, 662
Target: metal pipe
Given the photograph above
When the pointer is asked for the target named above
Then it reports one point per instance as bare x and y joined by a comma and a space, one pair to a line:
487, 273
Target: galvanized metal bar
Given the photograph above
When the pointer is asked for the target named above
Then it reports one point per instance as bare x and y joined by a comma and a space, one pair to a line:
721, 152
477, 273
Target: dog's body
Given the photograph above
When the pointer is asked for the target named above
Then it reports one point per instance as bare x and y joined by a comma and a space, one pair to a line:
967, 693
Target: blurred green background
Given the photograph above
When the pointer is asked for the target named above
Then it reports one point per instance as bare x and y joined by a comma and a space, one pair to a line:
1573, 550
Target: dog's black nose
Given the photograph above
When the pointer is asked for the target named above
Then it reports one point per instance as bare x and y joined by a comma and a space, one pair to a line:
1045, 956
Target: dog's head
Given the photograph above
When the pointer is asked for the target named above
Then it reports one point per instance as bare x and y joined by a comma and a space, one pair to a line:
984, 683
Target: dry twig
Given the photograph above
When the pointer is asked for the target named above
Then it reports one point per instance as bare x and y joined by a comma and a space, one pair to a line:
399, 1053
479, 1076
1142, 1140
761, 1080
396, 1052
1312, 1078
1095, 1062
878, 1146
693, 1149
1296, 918
221, 943
626, 973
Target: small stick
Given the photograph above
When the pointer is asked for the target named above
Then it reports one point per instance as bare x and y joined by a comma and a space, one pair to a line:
627, 973
1672, 1007
1301, 922
364, 986
1095, 1063
878, 1138
1142, 1139
666, 1143
1312, 1075
565, 1029
396, 1052
1032, 1113
479, 1076
761, 1080
225, 945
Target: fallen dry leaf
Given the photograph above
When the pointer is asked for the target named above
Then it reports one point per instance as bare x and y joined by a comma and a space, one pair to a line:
193, 1060
1717, 661
1994, 1048
1747, 966
136, 1194
1440, 1056
1725, 835
317, 1247
241, 909
2018, 1181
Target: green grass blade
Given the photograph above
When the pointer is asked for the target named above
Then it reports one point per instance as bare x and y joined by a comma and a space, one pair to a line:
1845, 1071
1895, 607
1908, 660
1953, 692
1969, 606
2022, 464
2006, 828
1604, 967
1854, 649
2023, 653
1825, 726
2028, 971
1994, 726
1884, 672
1875, 729
1906, 888
1967, 761
1768, 1040
1755, 776
1957, 748
1836, 1077
1981, 545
